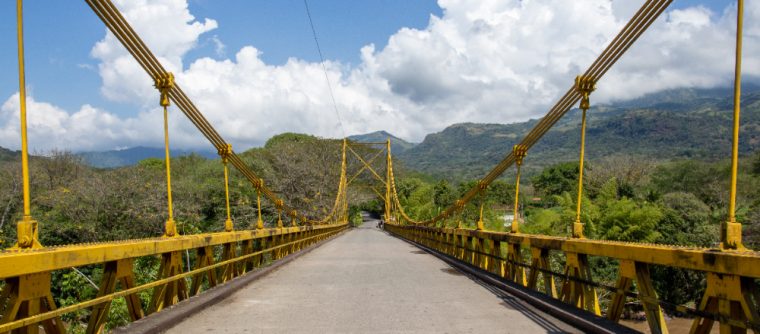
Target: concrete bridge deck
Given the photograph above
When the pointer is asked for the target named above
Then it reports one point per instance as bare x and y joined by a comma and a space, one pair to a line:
367, 281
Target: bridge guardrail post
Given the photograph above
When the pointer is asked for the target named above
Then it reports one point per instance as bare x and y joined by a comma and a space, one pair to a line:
540, 265
574, 291
204, 257
731, 297
496, 263
115, 272
515, 271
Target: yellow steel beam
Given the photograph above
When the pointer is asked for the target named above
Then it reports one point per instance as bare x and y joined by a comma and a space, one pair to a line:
37, 318
21, 262
370, 161
745, 264
377, 176
164, 84
26, 229
731, 231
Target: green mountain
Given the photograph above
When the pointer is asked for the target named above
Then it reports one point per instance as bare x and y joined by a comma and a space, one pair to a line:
683, 123
398, 145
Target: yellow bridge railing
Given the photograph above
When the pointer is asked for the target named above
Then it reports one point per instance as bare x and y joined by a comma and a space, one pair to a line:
527, 260
26, 270
27, 274
731, 295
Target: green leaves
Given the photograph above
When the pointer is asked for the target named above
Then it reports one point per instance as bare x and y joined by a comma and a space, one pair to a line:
626, 220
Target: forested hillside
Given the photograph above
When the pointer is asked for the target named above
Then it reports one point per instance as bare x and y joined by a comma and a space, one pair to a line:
626, 199
77, 203
679, 124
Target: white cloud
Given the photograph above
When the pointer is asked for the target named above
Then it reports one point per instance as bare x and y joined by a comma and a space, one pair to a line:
88, 128
219, 48
169, 31
482, 61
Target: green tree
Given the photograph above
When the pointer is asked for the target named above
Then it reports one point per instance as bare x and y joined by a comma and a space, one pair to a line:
443, 195
626, 220
501, 192
686, 221
556, 179
706, 181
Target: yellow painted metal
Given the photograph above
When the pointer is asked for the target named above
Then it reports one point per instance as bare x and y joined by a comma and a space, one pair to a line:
730, 296
731, 230
319, 234
519, 151
259, 221
584, 86
224, 153
389, 181
540, 264
168, 294
204, 258
515, 273
29, 295
22, 262
164, 84
730, 273
692, 258
639, 272
483, 188
26, 229
229, 271
115, 272
727, 268
366, 164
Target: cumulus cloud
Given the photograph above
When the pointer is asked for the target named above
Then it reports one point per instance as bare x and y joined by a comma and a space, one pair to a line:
169, 31
89, 128
481, 61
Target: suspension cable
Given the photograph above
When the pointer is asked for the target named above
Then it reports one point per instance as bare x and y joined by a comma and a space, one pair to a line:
639, 23
324, 68
120, 28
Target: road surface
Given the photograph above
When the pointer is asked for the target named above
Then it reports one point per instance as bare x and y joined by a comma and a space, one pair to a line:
367, 281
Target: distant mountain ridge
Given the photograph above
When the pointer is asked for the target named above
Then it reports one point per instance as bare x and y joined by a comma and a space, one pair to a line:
398, 145
682, 123
133, 155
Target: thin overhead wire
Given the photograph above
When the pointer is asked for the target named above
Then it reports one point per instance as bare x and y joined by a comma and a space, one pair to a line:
324, 68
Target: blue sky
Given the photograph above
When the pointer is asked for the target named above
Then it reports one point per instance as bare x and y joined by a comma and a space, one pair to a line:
60, 34
482, 61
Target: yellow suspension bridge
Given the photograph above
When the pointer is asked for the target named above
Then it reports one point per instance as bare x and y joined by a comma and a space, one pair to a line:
395, 284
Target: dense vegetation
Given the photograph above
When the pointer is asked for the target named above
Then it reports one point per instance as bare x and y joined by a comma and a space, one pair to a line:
626, 199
